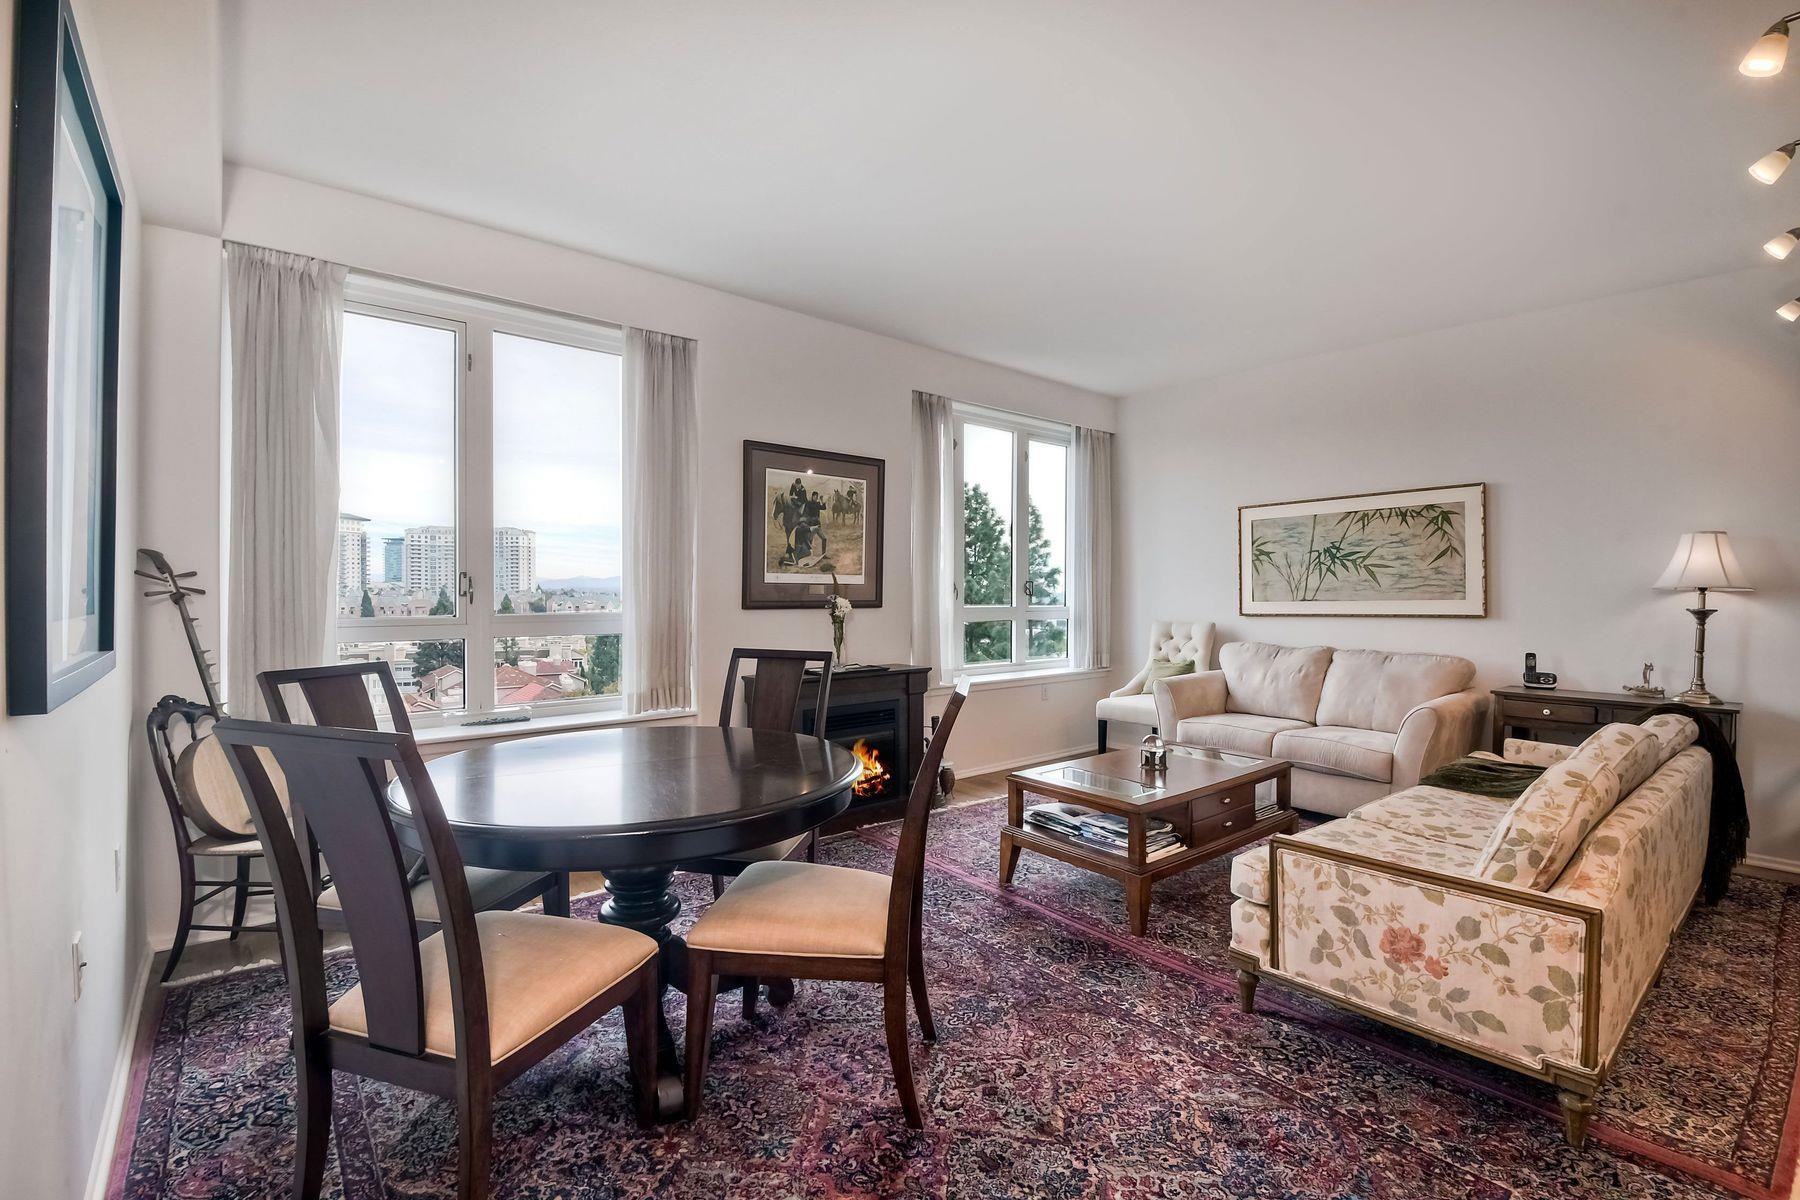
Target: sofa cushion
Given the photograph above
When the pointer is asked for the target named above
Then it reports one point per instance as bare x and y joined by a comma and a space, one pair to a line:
1549, 820
1440, 814
1358, 753
1136, 710
1250, 870
1240, 733
1674, 733
1631, 750
1274, 681
1155, 670
1373, 689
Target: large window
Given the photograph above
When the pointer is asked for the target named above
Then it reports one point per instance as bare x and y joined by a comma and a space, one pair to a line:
1013, 605
480, 502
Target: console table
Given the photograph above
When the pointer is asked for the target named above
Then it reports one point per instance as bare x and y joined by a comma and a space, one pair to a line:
1559, 715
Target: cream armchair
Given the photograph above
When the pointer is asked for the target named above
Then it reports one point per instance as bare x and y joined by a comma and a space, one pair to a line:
1356, 724
1170, 642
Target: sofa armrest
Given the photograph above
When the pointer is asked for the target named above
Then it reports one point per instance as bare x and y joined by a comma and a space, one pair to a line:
1498, 968
1201, 694
1534, 754
1436, 732
1641, 866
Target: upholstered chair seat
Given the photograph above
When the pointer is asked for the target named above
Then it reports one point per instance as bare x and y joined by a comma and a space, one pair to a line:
773, 852
487, 887
539, 971
1134, 709
798, 908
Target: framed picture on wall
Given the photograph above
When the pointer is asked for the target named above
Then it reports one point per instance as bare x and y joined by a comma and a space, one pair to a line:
810, 516
1415, 553
62, 347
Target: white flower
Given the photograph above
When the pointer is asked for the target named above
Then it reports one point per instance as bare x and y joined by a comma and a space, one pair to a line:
840, 606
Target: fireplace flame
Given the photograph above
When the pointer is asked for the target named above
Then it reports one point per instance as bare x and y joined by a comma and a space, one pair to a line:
874, 774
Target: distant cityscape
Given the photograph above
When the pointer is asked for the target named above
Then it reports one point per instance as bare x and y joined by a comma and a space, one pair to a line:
414, 575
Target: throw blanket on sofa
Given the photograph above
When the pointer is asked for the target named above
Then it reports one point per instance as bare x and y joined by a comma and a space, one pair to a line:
1484, 777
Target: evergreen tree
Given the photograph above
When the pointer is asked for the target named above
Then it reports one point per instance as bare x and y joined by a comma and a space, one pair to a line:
432, 655
368, 604
506, 605
988, 579
509, 651
443, 607
538, 604
600, 669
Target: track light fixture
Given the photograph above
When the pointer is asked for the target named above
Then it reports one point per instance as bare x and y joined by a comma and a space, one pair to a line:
1769, 54
1769, 167
1782, 244
1790, 311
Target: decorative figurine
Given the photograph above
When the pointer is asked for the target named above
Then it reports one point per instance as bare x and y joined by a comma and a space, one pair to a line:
1646, 689
1155, 754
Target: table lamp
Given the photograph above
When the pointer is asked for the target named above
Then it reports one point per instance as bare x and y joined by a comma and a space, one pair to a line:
1703, 562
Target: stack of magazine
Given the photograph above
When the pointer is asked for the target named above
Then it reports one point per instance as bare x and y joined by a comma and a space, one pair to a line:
1103, 831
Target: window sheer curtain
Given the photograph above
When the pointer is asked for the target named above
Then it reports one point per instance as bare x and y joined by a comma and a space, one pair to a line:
662, 477
1090, 549
287, 317
934, 508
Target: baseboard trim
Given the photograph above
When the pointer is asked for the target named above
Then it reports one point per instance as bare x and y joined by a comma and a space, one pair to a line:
1786, 868
1029, 760
100, 1166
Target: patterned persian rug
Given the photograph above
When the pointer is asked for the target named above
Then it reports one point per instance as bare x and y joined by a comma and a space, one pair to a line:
1074, 1061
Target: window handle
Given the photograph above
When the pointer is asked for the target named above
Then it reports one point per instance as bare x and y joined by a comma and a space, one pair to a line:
465, 586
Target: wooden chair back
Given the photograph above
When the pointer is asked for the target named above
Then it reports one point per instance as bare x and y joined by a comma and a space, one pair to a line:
774, 701
339, 778
336, 695
908, 890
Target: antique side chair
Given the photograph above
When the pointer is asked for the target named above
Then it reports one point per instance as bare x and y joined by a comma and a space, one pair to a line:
811, 921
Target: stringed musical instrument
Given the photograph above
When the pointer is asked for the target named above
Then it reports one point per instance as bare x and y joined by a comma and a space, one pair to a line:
205, 787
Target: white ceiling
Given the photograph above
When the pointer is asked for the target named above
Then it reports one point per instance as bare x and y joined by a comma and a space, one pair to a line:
1120, 195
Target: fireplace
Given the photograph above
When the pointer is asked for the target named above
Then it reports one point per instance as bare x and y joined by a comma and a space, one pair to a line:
878, 713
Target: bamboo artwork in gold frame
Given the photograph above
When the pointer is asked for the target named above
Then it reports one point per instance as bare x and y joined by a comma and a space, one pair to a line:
1421, 552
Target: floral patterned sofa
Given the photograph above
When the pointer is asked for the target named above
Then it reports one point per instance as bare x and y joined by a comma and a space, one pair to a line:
1524, 932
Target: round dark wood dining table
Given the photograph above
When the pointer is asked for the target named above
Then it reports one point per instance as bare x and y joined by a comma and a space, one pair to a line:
631, 802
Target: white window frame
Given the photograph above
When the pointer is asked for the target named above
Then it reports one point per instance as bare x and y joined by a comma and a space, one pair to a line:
1021, 611
475, 321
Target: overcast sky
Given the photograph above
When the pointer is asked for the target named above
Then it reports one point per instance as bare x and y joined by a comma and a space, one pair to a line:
556, 441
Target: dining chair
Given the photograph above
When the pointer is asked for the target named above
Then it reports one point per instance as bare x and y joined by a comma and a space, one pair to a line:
338, 695
458, 1014
811, 921
187, 769
772, 701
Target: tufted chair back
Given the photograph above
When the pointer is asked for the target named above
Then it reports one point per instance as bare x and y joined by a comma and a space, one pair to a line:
1182, 641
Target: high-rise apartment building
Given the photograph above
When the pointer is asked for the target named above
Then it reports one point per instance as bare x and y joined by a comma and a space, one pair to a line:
515, 560
353, 552
430, 557
393, 560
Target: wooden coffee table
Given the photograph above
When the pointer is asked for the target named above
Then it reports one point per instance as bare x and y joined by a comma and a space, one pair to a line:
1217, 803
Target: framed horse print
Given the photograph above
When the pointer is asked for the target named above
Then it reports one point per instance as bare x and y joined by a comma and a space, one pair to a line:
812, 522
62, 340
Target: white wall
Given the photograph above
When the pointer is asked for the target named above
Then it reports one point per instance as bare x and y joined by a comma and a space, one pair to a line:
63, 788
1603, 430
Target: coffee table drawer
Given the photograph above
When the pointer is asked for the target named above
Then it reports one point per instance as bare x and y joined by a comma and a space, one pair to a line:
1221, 825
1527, 711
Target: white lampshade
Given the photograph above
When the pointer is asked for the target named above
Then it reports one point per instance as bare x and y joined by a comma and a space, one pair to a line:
1769, 54
1781, 245
1704, 560
1789, 311
1769, 167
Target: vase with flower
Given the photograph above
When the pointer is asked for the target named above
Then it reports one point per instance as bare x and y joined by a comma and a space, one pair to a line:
837, 605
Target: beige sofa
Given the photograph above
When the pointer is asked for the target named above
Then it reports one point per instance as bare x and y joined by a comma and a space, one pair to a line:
1527, 933
1170, 642
1356, 724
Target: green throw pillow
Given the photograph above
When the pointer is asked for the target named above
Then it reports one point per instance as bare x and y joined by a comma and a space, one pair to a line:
1165, 670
